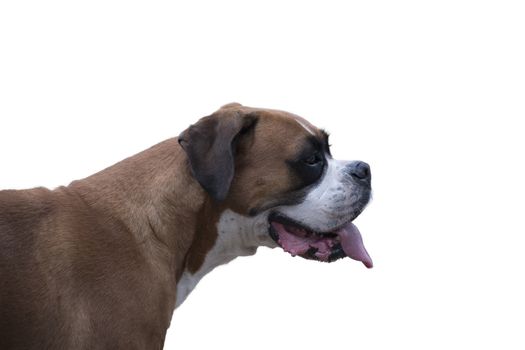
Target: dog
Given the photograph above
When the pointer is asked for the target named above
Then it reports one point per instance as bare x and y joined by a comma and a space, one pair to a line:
103, 262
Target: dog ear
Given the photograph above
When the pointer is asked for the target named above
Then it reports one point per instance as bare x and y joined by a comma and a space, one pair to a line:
210, 147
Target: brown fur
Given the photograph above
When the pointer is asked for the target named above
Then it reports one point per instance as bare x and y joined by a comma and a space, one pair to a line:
94, 265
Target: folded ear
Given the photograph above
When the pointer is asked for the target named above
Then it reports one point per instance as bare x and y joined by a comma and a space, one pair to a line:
210, 147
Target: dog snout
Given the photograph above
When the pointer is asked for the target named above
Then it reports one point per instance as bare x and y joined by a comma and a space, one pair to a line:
359, 171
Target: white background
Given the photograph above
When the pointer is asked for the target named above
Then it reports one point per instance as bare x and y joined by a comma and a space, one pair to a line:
431, 94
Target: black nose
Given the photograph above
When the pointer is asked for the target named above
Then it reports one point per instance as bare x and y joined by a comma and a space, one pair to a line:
359, 171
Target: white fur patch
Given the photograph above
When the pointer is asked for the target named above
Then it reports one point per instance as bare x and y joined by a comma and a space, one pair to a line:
305, 126
238, 235
328, 205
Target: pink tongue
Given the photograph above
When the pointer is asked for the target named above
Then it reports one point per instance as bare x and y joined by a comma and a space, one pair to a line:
352, 244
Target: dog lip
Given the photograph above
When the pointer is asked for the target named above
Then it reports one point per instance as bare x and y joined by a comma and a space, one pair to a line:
312, 246
285, 220
273, 233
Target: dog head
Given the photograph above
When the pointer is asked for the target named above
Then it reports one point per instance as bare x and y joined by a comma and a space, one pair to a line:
275, 169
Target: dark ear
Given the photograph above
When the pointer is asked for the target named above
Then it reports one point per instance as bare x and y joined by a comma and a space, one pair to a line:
210, 147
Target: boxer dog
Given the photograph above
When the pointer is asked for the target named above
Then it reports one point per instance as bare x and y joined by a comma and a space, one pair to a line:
103, 262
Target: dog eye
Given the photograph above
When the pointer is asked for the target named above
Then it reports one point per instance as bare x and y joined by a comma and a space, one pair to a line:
313, 159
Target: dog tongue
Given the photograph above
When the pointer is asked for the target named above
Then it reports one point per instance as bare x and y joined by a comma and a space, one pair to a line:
352, 244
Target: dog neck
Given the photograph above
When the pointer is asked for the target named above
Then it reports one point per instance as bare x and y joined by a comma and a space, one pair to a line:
182, 233
152, 193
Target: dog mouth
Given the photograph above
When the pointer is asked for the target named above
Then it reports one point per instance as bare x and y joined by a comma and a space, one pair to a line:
298, 239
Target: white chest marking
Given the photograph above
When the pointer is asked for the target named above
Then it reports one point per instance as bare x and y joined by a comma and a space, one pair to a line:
237, 235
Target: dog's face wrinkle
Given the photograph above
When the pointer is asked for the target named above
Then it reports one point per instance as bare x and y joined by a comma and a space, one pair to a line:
294, 196
333, 201
305, 176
